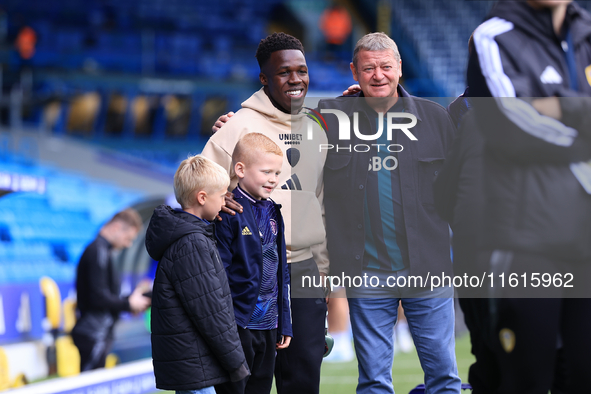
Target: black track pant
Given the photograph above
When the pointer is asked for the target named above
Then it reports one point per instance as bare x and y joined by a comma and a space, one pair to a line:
297, 368
259, 350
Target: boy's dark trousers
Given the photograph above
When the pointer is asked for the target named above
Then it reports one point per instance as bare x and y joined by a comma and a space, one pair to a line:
259, 349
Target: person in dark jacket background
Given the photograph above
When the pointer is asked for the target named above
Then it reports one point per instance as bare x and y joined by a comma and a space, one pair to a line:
195, 344
528, 54
459, 200
252, 248
98, 287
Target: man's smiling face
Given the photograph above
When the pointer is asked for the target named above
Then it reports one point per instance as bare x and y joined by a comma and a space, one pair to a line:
285, 79
377, 72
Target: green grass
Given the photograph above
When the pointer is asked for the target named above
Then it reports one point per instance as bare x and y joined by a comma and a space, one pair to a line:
406, 371
341, 378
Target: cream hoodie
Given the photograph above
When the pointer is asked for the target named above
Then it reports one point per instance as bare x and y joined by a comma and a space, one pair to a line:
300, 188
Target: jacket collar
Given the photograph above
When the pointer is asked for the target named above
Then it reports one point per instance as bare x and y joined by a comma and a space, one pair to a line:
240, 193
207, 227
579, 22
168, 225
102, 239
538, 23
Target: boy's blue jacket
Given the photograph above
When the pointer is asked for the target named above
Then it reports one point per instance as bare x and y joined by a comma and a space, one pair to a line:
242, 255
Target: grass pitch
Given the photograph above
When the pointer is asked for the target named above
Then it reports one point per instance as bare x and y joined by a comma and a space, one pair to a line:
341, 378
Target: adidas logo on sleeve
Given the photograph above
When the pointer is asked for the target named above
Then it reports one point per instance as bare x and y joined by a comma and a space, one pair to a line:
246, 231
550, 76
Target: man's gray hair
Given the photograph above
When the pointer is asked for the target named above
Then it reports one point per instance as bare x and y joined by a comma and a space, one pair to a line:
375, 42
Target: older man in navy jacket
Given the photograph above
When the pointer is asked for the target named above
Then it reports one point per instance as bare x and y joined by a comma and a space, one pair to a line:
381, 221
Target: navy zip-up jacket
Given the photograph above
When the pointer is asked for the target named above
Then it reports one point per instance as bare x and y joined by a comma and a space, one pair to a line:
242, 255
345, 178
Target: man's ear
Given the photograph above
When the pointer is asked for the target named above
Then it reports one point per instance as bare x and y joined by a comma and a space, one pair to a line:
239, 168
201, 197
400, 68
354, 72
263, 79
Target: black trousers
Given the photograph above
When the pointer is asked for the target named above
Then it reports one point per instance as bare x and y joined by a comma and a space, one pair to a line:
483, 375
535, 323
93, 353
259, 349
536, 362
297, 368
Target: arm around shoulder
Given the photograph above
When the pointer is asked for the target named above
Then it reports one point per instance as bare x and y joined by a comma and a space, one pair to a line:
218, 154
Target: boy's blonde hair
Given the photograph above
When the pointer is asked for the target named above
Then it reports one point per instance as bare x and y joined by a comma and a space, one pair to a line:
195, 174
251, 145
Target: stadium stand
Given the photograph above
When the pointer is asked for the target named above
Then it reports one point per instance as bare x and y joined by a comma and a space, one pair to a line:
44, 234
48, 214
102, 47
439, 31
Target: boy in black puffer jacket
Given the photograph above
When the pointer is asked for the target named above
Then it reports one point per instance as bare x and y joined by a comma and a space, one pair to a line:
195, 343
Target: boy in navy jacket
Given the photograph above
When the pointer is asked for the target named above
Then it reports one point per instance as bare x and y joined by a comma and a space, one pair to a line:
252, 248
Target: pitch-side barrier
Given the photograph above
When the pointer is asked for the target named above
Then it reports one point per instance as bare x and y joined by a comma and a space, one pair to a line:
130, 378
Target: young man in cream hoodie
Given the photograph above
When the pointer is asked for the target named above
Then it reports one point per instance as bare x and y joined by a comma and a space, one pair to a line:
274, 112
